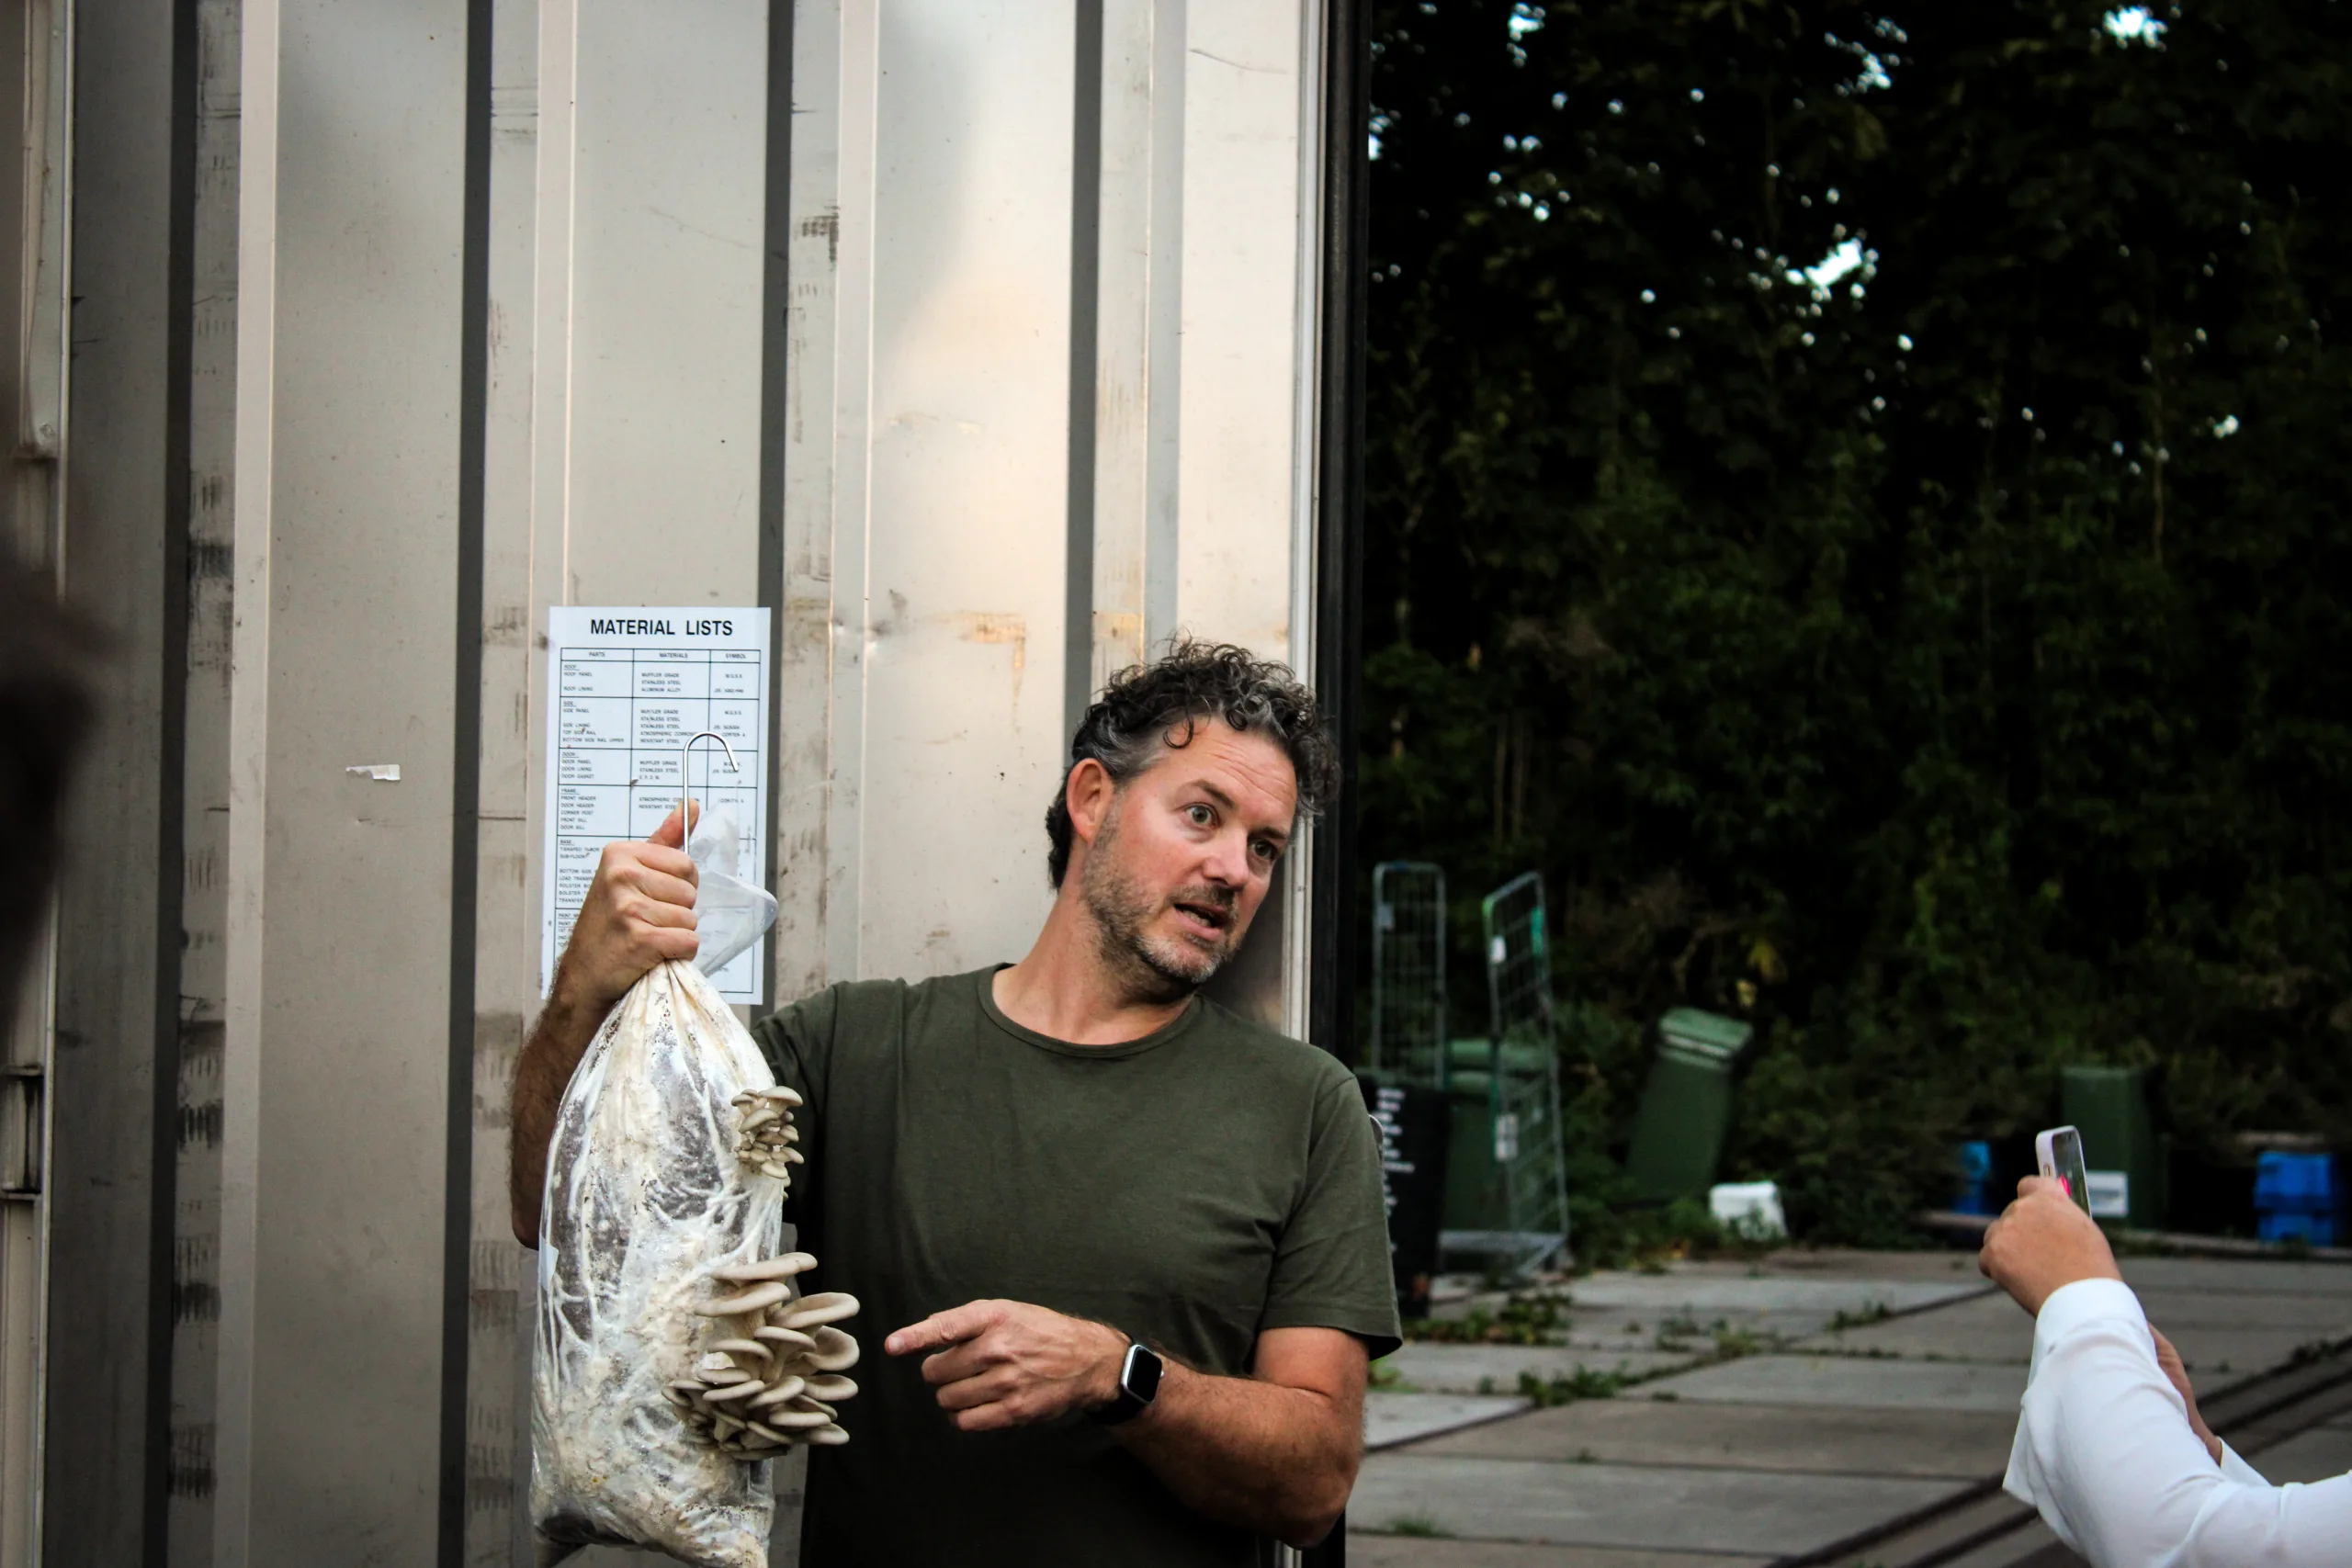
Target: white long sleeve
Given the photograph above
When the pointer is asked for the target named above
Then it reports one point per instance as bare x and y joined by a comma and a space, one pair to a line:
2105, 1450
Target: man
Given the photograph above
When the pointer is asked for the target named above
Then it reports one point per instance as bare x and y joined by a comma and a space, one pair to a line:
2111, 1448
1024, 1172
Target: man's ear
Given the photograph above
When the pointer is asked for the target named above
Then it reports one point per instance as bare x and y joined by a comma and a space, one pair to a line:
1088, 793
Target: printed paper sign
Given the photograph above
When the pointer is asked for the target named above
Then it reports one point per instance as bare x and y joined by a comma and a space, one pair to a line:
626, 687
2111, 1193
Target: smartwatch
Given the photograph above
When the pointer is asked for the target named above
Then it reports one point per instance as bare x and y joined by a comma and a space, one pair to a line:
1138, 1385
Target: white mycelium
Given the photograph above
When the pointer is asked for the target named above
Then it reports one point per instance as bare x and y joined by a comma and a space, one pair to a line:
674, 1350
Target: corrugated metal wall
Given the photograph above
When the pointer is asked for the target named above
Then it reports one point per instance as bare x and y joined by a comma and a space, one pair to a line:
977, 339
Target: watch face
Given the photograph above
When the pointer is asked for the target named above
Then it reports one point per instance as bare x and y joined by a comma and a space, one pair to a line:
1140, 1376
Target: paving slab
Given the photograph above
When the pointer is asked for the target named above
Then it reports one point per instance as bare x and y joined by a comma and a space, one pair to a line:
1993, 1329
1422, 1552
1616, 1333
1496, 1368
2251, 1276
1979, 1329
1836, 1263
1657, 1509
2320, 1454
2317, 1313
1853, 1382
1703, 1296
2019, 1548
1391, 1418
1964, 1444
1644, 1328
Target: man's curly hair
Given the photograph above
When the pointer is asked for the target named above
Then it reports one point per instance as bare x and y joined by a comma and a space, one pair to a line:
1150, 708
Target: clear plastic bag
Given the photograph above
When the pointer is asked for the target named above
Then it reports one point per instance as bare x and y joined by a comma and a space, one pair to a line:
730, 913
647, 1193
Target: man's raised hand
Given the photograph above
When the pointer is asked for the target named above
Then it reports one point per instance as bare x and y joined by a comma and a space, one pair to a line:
998, 1364
639, 912
2043, 1242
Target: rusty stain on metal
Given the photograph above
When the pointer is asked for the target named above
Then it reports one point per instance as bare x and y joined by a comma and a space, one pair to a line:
1008, 627
1119, 635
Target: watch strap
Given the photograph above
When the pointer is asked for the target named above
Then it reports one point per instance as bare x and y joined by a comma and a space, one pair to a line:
1125, 1403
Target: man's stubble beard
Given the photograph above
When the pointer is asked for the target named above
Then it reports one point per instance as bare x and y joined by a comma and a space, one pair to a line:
1121, 909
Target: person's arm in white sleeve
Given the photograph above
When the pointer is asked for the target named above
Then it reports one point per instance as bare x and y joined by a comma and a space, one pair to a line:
2106, 1447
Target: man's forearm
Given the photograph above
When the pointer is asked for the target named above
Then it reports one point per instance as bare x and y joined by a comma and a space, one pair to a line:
558, 1041
1276, 1459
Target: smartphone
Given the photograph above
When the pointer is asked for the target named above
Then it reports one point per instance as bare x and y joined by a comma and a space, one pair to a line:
2059, 1152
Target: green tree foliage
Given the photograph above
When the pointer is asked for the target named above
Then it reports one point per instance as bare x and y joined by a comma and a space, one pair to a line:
1856, 497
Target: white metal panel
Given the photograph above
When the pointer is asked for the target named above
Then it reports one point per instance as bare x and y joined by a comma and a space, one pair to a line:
668, 217
967, 506
1138, 342
628, 215
927, 499
806, 731
337, 1047
1245, 533
1242, 327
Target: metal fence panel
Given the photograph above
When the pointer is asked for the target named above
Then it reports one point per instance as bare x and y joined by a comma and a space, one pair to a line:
1529, 1143
1408, 973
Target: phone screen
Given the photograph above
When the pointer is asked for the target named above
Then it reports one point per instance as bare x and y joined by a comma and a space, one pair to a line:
2060, 1151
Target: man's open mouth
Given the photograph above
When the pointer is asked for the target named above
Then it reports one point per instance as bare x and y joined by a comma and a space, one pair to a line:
1210, 915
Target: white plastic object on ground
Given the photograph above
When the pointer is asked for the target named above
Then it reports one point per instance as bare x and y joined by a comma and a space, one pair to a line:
1749, 1210
646, 1195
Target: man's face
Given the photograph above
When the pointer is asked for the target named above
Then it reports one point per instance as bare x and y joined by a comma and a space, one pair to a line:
1185, 856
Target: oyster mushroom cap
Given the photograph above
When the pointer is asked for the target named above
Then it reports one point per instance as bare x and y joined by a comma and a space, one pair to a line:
781, 1267
826, 1306
787, 1418
829, 1386
743, 1390
835, 1351
784, 1388
752, 1300
792, 1339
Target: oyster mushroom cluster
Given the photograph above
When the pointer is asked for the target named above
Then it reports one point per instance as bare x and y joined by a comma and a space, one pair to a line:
775, 1379
764, 1137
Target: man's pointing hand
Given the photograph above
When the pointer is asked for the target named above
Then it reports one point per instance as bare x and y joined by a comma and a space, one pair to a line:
998, 1364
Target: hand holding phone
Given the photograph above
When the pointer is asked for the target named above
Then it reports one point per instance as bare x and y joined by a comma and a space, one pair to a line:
2059, 1152
2033, 1250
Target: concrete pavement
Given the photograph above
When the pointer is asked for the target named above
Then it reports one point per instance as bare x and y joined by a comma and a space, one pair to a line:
1736, 1414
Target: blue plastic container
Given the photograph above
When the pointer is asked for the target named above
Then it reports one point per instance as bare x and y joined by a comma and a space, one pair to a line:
2297, 1197
2296, 1184
2316, 1230
1975, 1195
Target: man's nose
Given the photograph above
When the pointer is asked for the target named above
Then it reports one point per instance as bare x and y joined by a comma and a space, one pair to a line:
1229, 865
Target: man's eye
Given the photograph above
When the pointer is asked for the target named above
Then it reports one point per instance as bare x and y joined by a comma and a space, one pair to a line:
1263, 850
1201, 815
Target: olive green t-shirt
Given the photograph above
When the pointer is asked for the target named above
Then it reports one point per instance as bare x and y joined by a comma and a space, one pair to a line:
1193, 1189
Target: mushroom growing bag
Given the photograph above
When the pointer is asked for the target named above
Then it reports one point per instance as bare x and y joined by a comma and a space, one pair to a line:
673, 1354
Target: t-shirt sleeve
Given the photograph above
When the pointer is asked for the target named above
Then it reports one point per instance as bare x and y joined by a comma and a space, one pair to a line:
1331, 1266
